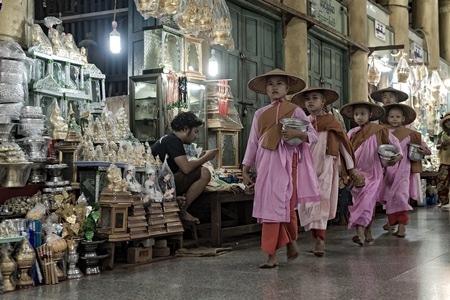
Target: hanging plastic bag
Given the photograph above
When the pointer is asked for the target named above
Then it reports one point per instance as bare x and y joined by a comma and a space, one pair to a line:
151, 186
166, 182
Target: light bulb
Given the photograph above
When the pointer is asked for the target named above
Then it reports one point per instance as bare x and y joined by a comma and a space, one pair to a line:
213, 64
114, 39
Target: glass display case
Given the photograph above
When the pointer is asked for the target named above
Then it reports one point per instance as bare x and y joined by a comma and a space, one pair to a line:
196, 97
148, 94
227, 142
163, 48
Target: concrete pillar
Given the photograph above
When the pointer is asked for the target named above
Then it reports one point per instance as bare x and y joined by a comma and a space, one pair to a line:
444, 29
295, 42
12, 21
358, 59
425, 16
399, 20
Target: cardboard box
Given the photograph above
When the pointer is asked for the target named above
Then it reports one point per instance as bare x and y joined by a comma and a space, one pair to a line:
138, 255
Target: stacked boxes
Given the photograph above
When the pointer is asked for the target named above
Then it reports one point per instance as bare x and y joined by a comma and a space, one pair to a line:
137, 222
155, 219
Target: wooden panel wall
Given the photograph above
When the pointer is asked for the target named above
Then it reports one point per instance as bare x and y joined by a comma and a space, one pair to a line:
94, 31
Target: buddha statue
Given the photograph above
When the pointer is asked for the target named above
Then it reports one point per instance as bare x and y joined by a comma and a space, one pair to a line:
115, 181
58, 124
57, 45
39, 41
72, 49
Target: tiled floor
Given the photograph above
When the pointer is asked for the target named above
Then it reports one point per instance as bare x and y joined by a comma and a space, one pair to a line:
415, 267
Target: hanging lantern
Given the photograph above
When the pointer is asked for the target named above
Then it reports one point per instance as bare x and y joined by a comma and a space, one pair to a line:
402, 70
373, 75
187, 19
221, 32
147, 8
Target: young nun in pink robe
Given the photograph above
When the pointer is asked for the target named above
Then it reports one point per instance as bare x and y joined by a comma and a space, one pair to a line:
332, 151
366, 138
395, 190
285, 173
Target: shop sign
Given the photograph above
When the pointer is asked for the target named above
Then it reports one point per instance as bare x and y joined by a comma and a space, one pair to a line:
417, 52
380, 30
329, 12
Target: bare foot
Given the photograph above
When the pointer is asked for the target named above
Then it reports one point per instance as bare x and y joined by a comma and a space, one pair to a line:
319, 249
181, 200
185, 216
292, 251
271, 262
368, 235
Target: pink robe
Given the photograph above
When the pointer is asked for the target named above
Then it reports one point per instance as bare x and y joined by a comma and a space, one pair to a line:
316, 215
368, 163
396, 188
274, 187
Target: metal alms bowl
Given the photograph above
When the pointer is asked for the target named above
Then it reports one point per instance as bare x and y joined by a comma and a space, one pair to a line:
35, 147
387, 152
14, 174
296, 124
413, 153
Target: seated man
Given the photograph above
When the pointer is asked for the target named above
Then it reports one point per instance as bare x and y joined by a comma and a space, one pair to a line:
190, 177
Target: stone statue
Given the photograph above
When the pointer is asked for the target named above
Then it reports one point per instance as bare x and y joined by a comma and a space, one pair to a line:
57, 45
72, 49
40, 41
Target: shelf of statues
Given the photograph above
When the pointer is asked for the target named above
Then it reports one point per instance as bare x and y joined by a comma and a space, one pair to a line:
57, 46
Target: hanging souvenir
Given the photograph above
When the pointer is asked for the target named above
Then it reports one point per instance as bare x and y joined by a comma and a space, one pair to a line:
187, 19
147, 8
374, 74
221, 28
402, 70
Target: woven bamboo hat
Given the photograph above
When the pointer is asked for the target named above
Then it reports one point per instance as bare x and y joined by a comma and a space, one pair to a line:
258, 84
376, 110
329, 95
445, 118
408, 112
378, 95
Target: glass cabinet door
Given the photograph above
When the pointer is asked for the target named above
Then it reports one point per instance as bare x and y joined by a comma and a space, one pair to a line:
196, 98
144, 108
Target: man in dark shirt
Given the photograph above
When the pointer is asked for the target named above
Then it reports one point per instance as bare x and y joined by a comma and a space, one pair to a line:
190, 177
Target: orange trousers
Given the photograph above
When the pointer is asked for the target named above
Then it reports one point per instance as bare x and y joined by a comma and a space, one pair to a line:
400, 217
277, 235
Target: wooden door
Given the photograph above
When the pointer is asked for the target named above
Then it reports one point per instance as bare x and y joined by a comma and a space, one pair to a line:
257, 50
325, 68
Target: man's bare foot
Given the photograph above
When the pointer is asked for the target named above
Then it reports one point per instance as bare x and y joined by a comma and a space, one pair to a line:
319, 249
185, 216
368, 235
272, 262
292, 251
181, 200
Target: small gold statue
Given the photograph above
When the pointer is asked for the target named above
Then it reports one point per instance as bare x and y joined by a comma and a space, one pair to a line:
40, 41
59, 125
57, 45
115, 181
69, 43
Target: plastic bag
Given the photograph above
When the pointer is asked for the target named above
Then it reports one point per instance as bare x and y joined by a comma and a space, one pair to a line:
130, 176
151, 187
166, 182
37, 213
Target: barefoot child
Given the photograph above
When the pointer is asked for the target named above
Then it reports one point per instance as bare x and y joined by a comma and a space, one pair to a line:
365, 139
395, 191
331, 150
281, 168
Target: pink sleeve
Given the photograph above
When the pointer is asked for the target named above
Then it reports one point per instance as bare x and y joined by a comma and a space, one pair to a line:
349, 163
252, 144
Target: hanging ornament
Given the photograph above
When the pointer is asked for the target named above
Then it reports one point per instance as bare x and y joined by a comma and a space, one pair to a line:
187, 19
374, 74
221, 29
169, 7
147, 8
402, 70
205, 11
435, 81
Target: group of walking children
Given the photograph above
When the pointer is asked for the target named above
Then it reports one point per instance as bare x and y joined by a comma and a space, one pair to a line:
299, 169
